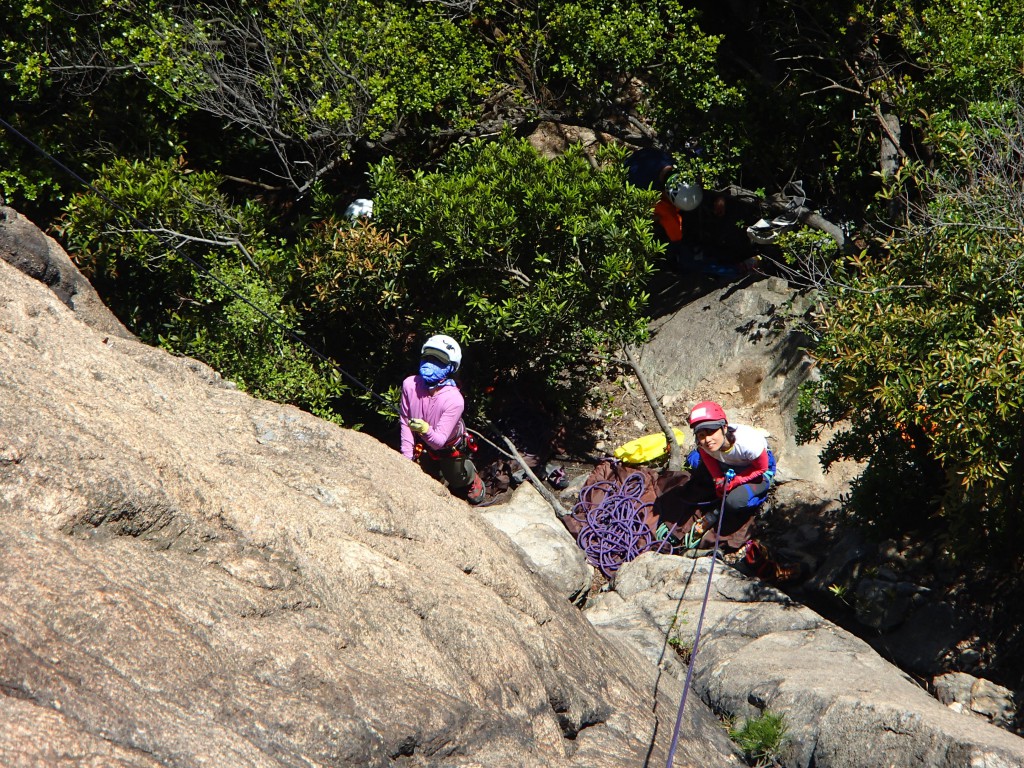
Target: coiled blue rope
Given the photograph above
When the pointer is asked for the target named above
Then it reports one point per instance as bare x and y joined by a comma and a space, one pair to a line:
614, 529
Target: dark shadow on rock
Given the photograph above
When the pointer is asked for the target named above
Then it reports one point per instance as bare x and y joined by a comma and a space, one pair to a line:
925, 640
672, 290
24, 246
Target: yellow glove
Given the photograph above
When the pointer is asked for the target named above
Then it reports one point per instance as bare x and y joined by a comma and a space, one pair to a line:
419, 426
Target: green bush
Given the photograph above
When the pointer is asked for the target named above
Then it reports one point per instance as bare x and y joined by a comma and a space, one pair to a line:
922, 349
761, 738
188, 270
533, 264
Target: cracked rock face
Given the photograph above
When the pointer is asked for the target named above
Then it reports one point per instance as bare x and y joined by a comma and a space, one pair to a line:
189, 576
844, 706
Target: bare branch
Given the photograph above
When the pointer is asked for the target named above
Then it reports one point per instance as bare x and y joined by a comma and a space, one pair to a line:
549, 497
180, 239
779, 204
252, 183
675, 460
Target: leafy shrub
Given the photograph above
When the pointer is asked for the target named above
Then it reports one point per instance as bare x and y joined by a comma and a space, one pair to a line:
761, 738
186, 269
652, 55
531, 263
922, 349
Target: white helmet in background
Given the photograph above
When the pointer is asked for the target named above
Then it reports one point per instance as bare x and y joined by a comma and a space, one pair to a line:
683, 194
359, 208
444, 347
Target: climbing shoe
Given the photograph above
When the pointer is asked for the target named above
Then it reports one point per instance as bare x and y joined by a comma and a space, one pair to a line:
557, 477
476, 491
757, 561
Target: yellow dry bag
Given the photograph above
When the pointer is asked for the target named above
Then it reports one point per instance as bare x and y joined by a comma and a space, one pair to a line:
646, 448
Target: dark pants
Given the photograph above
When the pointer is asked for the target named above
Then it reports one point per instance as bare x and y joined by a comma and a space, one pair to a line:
740, 503
458, 472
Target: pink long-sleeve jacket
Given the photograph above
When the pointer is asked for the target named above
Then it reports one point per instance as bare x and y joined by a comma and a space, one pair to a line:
440, 407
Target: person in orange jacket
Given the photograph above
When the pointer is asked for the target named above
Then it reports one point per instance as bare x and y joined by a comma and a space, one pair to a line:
700, 232
650, 168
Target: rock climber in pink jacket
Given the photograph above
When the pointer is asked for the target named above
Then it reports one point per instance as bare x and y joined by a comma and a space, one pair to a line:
431, 420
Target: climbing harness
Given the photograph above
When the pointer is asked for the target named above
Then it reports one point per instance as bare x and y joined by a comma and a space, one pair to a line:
466, 445
730, 474
614, 529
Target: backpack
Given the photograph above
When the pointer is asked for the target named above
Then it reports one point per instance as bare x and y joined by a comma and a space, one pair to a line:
644, 167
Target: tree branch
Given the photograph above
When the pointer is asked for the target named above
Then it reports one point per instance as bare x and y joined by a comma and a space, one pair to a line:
782, 204
675, 460
549, 497
182, 239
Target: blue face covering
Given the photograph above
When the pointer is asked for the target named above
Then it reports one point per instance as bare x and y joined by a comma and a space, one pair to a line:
433, 374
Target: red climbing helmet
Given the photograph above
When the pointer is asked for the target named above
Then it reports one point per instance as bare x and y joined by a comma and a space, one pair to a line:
707, 415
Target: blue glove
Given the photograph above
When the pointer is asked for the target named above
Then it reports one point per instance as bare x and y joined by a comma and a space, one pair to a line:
693, 460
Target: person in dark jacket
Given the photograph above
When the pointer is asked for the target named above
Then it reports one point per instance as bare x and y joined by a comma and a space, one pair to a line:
700, 232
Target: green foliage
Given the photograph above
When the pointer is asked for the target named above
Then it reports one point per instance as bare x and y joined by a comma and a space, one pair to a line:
970, 48
321, 72
287, 90
354, 290
682, 647
923, 350
542, 260
761, 738
532, 263
799, 120
72, 90
21, 188
535, 263
275, 91
145, 240
652, 55
840, 591
809, 256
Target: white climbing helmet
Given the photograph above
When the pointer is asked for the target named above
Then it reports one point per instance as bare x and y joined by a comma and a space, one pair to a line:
359, 208
685, 195
447, 346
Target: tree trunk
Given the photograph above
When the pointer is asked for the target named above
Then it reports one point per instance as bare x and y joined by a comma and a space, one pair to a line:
675, 457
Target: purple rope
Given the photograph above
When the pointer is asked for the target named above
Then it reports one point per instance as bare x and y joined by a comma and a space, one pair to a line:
700, 625
614, 531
